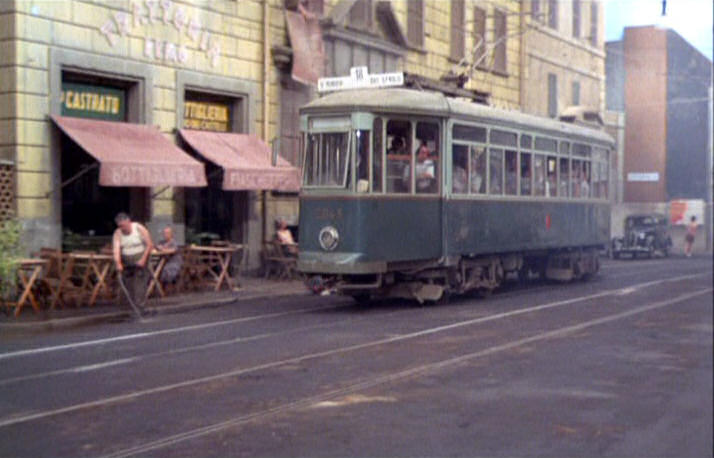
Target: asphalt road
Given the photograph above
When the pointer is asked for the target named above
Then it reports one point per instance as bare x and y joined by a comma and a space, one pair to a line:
620, 365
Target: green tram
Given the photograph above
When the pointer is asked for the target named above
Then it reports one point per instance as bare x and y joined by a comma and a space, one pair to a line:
413, 194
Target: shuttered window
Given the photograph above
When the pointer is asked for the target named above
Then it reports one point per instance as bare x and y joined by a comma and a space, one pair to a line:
576, 93
415, 23
593, 24
535, 10
552, 95
457, 29
501, 33
480, 36
576, 18
553, 14
361, 14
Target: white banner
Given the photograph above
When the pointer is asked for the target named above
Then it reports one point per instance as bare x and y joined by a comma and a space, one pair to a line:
360, 78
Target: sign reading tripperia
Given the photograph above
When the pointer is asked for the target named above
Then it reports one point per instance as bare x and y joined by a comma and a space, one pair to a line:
360, 78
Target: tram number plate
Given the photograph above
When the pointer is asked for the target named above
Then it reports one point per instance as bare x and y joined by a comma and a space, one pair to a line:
328, 214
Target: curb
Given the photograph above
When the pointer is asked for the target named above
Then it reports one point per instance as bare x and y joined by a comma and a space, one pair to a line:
68, 322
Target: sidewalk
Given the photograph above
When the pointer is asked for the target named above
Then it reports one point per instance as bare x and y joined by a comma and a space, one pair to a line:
251, 288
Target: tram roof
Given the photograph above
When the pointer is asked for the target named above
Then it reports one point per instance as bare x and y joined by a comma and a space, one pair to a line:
436, 104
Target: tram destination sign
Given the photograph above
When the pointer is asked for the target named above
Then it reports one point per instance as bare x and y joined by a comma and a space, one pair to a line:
360, 78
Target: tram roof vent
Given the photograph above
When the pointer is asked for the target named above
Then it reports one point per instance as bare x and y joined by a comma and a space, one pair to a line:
582, 115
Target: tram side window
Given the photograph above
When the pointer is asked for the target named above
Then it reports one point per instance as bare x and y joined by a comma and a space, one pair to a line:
604, 180
495, 161
575, 166
362, 141
460, 176
585, 184
539, 174
377, 156
511, 172
525, 174
551, 183
427, 158
564, 176
399, 137
478, 169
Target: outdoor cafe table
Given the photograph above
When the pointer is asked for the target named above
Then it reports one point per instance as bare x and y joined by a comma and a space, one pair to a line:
28, 272
156, 264
91, 268
212, 262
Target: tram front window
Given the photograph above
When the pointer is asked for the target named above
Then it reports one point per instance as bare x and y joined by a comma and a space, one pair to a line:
326, 159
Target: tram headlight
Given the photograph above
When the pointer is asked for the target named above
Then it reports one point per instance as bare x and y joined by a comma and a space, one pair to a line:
329, 237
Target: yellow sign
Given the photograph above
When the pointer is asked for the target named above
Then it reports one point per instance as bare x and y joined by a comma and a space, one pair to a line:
206, 116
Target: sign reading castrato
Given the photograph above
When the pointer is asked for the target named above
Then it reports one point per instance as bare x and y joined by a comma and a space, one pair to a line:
360, 78
89, 101
156, 13
206, 116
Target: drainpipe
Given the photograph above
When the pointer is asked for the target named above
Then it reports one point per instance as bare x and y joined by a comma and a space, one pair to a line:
266, 102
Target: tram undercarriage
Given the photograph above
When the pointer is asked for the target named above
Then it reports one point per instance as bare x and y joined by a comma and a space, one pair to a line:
432, 281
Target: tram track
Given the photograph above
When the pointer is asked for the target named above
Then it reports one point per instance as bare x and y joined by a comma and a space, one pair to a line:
509, 291
15, 419
400, 376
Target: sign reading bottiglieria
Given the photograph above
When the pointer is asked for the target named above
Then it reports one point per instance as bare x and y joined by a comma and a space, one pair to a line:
162, 13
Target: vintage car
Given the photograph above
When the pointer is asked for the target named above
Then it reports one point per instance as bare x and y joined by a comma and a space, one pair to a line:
644, 234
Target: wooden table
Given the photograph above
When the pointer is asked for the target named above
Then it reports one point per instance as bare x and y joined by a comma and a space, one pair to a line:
211, 263
157, 261
91, 268
28, 273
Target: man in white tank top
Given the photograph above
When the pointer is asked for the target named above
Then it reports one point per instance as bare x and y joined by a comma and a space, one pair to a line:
132, 246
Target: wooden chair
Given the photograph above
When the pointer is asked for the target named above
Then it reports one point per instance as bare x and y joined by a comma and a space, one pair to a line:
277, 262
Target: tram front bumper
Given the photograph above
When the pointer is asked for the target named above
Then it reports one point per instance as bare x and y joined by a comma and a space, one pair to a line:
338, 263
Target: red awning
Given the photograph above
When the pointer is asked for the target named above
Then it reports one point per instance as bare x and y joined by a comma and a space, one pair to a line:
133, 154
308, 47
245, 160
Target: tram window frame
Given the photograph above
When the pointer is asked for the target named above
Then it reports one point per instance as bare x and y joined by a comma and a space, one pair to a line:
551, 176
525, 186
546, 144
469, 133
563, 178
427, 133
402, 128
376, 166
477, 163
495, 180
538, 174
511, 175
503, 137
318, 180
460, 180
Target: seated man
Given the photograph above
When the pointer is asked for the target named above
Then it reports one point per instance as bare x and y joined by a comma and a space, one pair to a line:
425, 170
172, 268
285, 238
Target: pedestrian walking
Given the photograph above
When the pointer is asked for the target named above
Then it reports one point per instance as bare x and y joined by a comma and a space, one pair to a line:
131, 246
689, 236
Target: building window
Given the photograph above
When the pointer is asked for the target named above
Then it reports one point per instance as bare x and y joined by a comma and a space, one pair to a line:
576, 93
501, 33
479, 36
593, 24
553, 14
457, 29
576, 18
415, 23
552, 95
361, 15
535, 10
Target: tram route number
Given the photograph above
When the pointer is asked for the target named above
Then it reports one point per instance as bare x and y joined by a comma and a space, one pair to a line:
328, 214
